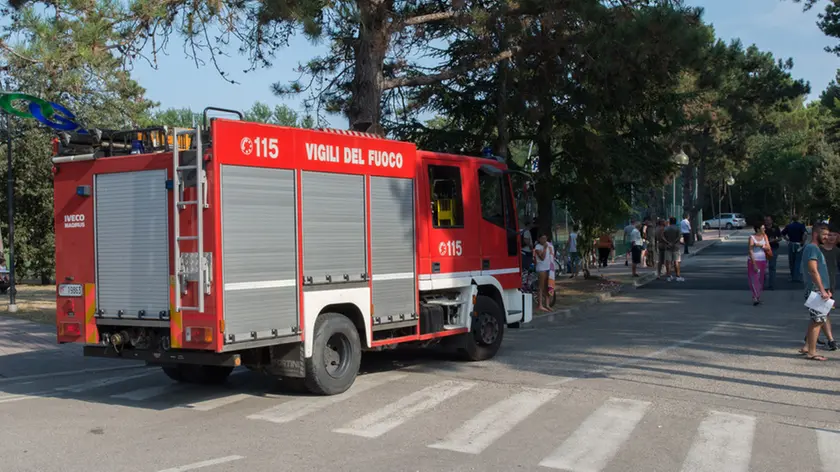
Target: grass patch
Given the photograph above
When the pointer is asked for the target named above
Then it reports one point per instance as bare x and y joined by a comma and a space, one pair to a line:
35, 303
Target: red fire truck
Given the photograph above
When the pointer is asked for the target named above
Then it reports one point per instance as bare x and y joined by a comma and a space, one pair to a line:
288, 251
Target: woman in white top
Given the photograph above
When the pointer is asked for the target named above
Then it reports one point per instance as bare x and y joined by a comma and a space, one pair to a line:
757, 262
572, 250
543, 258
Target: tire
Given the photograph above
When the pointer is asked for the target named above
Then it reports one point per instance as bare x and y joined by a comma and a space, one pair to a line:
174, 373
198, 374
335, 342
707, 226
488, 329
293, 385
729, 226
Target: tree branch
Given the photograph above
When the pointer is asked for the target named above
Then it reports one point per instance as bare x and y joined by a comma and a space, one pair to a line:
420, 80
419, 20
11, 51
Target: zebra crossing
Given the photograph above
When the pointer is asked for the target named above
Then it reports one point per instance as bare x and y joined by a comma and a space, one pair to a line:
721, 441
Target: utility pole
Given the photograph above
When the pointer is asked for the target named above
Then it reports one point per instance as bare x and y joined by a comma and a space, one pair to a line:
10, 196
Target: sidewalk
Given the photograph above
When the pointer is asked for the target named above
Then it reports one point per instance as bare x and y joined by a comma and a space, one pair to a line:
30, 349
28, 338
574, 295
619, 272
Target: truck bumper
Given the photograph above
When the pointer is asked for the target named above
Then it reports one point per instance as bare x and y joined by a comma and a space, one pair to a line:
169, 357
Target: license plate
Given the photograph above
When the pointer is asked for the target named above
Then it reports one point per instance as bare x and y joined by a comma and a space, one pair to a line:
70, 290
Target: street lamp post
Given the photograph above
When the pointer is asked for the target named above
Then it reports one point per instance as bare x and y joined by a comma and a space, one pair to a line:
730, 181
681, 160
10, 203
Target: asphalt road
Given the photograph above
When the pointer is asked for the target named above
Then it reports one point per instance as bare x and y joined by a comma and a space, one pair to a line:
684, 377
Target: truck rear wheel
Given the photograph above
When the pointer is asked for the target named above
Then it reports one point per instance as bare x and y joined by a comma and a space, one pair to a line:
336, 355
488, 329
199, 374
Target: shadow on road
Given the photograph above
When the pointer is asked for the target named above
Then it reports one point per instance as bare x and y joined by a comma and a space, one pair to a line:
700, 336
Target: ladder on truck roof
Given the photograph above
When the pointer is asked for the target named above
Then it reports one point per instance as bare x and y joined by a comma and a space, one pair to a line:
184, 262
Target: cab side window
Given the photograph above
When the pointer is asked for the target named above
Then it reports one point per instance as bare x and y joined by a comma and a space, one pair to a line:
492, 197
447, 199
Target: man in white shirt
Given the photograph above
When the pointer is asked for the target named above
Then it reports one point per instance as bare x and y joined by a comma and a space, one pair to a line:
685, 229
636, 248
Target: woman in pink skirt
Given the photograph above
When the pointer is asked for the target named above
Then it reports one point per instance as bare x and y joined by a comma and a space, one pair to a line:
757, 263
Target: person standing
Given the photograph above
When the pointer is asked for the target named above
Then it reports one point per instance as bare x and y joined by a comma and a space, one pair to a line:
636, 249
757, 262
832, 254
572, 251
605, 247
660, 246
813, 264
649, 252
671, 236
627, 231
794, 233
685, 229
543, 256
774, 235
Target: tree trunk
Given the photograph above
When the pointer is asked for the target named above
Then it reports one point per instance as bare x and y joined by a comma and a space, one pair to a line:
696, 221
545, 190
502, 74
364, 112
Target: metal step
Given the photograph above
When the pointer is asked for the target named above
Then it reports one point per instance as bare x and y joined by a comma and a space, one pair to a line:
444, 302
514, 312
451, 327
187, 238
188, 202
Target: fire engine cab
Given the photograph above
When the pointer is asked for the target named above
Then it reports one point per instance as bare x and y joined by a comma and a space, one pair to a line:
288, 251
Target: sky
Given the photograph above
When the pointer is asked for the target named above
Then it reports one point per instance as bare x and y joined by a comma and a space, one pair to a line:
777, 26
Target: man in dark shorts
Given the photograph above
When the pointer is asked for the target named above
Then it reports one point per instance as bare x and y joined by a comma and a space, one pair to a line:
795, 234
660, 246
774, 235
816, 277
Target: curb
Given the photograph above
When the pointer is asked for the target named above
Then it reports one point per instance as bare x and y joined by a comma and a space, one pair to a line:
566, 314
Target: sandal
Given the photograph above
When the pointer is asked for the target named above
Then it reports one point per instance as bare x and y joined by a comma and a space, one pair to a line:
817, 358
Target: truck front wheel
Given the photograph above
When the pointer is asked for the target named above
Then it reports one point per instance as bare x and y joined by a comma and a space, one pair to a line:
336, 355
488, 329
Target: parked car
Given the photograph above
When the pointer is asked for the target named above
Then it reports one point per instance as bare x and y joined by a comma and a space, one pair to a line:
727, 221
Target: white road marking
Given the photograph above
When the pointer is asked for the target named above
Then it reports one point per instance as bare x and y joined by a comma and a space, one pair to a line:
494, 422
644, 358
294, 409
145, 393
213, 403
594, 444
70, 372
724, 442
389, 417
199, 465
829, 446
101, 382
